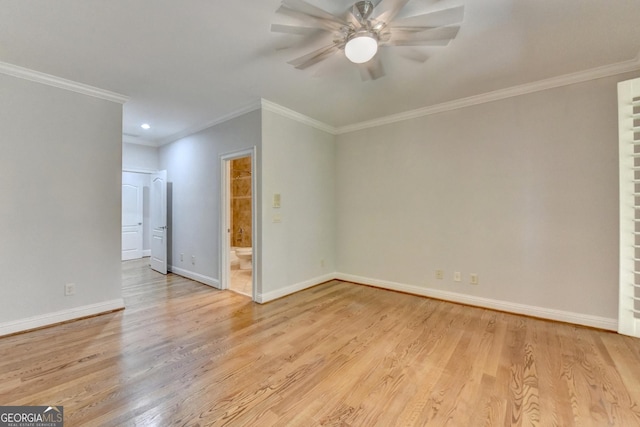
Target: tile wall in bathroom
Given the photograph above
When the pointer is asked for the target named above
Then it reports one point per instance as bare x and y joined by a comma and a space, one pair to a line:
241, 234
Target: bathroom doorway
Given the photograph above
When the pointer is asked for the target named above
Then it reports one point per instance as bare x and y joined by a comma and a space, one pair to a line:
238, 219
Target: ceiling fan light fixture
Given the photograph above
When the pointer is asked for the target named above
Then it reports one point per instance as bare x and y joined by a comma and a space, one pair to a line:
361, 47
367, 26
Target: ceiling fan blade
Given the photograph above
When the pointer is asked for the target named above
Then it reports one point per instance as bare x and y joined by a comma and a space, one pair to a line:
326, 24
311, 10
295, 29
372, 70
306, 35
388, 9
332, 67
431, 37
438, 18
314, 57
412, 54
419, 43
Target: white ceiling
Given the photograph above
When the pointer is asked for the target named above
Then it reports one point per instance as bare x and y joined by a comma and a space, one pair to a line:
189, 62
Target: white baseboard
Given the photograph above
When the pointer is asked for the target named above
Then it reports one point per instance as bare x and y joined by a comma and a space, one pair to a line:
210, 281
528, 310
631, 329
59, 316
146, 253
283, 292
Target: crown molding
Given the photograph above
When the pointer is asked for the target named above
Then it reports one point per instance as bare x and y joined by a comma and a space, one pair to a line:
200, 127
60, 83
551, 83
285, 112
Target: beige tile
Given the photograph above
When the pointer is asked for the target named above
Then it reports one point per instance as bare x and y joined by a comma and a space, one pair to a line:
241, 281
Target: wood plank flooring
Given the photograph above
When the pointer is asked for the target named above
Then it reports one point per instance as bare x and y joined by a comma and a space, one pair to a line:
337, 354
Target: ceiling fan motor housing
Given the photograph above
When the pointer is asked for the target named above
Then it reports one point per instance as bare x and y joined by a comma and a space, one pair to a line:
362, 11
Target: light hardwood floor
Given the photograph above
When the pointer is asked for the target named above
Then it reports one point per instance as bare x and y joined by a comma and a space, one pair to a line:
337, 354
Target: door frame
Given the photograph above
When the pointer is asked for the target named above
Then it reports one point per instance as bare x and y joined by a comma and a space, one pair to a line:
225, 219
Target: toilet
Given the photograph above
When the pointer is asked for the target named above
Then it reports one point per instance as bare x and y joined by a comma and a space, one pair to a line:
244, 255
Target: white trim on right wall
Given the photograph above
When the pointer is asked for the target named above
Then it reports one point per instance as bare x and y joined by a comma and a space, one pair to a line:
297, 287
301, 118
493, 304
537, 86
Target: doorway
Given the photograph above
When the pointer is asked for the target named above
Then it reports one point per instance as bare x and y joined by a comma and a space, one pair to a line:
238, 223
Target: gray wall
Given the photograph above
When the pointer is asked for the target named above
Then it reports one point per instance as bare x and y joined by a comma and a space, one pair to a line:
294, 160
522, 192
193, 173
60, 210
298, 163
139, 157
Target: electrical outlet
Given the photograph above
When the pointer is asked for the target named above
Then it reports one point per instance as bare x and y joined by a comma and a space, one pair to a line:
439, 274
473, 279
193, 259
69, 289
322, 263
457, 277
181, 257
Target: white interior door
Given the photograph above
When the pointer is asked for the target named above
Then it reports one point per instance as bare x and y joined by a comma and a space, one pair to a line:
159, 229
132, 213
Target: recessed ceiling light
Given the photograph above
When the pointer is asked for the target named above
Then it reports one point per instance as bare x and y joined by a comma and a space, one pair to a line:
145, 126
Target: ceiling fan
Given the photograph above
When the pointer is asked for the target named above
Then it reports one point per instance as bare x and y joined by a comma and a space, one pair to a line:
365, 27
